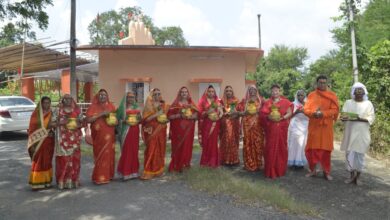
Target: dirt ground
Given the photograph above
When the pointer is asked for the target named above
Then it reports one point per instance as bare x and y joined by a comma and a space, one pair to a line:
335, 199
172, 198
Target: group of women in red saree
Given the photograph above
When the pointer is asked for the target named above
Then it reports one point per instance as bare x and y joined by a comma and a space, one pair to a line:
221, 123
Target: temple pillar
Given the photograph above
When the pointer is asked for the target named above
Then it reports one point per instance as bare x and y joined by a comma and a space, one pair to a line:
88, 90
28, 89
65, 82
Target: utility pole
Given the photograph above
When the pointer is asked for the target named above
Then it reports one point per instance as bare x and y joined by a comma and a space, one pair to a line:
21, 73
258, 21
72, 42
353, 43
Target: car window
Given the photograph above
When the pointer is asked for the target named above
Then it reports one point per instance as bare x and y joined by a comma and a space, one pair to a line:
15, 102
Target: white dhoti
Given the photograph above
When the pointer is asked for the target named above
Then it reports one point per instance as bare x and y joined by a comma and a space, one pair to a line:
356, 139
354, 161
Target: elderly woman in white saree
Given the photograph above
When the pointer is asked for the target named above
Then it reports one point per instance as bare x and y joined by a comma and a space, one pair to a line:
358, 114
297, 133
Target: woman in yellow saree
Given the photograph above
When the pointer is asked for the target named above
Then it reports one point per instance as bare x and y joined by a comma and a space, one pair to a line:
154, 134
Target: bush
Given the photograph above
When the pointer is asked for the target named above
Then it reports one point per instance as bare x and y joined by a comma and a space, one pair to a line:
380, 136
378, 83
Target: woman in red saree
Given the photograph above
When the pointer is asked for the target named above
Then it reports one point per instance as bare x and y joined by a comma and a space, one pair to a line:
128, 133
103, 137
210, 112
41, 145
182, 115
154, 134
276, 113
68, 144
229, 140
253, 130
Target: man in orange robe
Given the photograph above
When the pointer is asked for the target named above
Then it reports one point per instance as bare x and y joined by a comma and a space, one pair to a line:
322, 108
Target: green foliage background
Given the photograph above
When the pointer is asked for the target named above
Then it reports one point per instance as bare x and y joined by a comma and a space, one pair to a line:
285, 66
105, 29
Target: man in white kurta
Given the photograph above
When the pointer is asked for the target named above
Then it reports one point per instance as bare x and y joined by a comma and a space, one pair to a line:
356, 140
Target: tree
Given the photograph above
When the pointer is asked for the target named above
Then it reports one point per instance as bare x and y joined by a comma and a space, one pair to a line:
106, 28
378, 84
342, 37
335, 66
375, 22
373, 49
10, 34
283, 66
282, 57
172, 36
22, 14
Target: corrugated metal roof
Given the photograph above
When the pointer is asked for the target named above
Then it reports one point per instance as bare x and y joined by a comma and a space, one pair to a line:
37, 58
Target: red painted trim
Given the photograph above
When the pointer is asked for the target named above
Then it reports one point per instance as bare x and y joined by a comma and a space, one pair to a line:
251, 82
137, 79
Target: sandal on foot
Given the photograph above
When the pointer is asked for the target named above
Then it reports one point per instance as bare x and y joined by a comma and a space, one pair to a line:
311, 174
328, 177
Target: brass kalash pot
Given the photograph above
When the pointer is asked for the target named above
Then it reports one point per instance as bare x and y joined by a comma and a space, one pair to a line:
251, 108
275, 114
71, 124
132, 119
111, 119
163, 119
186, 112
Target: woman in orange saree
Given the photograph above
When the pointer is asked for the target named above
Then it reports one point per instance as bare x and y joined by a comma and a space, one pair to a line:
182, 114
252, 129
276, 113
154, 134
103, 137
41, 145
210, 112
229, 140
68, 138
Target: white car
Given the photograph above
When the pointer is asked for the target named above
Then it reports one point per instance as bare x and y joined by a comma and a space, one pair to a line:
15, 113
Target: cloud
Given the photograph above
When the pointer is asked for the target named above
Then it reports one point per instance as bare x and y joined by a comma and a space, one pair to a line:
196, 26
82, 27
125, 3
296, 23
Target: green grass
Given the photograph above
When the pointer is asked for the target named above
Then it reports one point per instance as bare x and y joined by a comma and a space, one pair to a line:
244, 190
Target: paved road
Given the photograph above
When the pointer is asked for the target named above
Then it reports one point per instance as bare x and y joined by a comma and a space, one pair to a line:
162, 198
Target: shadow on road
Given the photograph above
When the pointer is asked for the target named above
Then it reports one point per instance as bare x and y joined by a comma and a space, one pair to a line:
13, 135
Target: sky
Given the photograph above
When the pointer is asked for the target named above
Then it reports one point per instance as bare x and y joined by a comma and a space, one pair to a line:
295, 23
